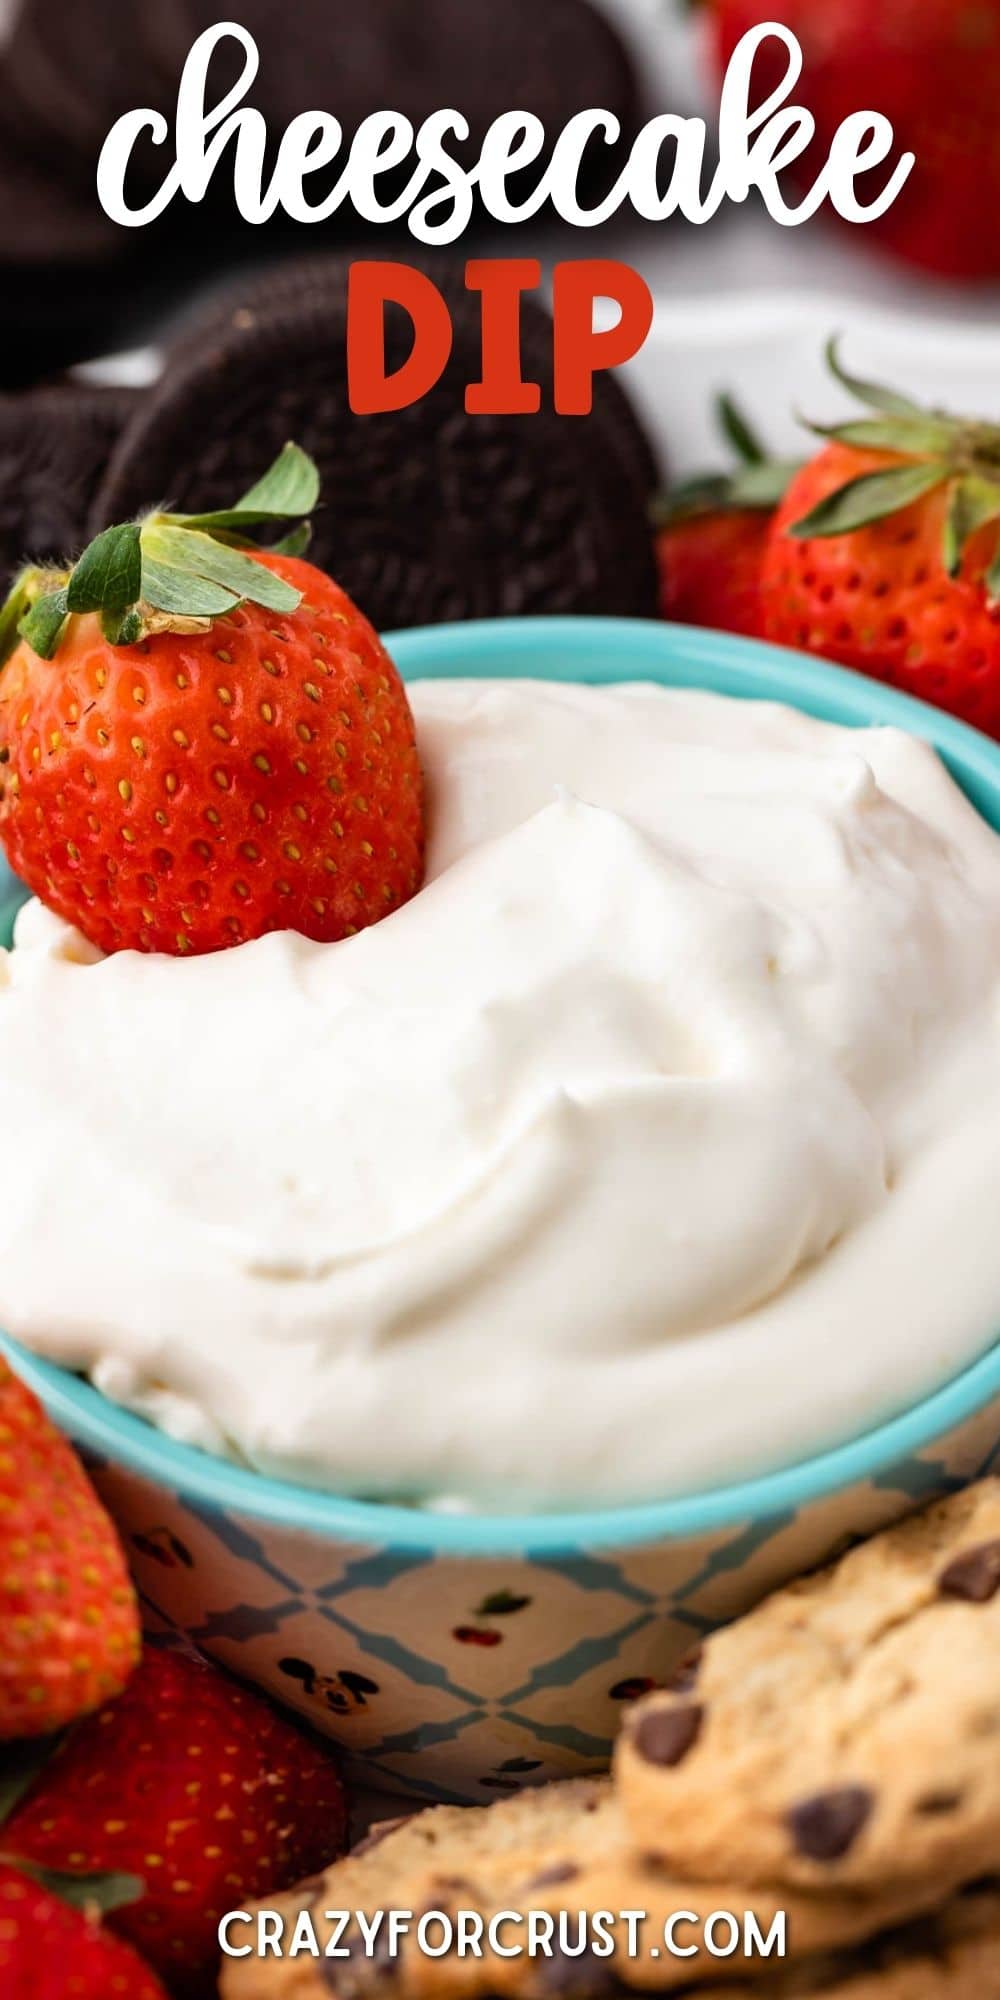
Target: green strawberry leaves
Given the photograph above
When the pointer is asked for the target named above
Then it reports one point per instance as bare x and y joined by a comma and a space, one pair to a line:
288, 490
44, 624
23, 1763
170, 572
758, 482
185, 571
764, 485
108, 576
972, 504
933, 450
927, 450
100, 1892
736, 427
873, 394
296, 542
869, 498
922, 436
19, 601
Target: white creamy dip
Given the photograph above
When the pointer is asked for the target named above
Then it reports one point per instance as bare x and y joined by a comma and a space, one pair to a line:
655, 1142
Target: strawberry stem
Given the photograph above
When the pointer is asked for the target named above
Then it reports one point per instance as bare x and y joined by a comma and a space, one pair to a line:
873, 394
870, 497
758, 482
169, 572
735, 426
933, 450
45, 623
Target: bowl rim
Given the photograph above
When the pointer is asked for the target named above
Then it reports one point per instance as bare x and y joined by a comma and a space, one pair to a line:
674, 655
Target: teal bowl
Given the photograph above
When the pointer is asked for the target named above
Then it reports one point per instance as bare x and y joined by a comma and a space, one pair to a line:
455, 1656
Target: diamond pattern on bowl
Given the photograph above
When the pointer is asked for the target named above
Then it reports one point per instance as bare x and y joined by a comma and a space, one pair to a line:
465, 1676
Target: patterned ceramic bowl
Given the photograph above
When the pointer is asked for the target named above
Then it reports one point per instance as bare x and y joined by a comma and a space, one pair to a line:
463, 1656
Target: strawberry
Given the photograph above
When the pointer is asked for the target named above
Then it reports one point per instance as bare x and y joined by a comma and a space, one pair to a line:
885, 553
204, 742
69, 1626
710, 569
711, 535
933, 68
196, 1786
50, 1950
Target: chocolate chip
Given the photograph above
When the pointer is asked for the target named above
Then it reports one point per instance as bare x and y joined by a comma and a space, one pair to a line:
437, 1912
560, 1871
826, 1826
935, 1803
974, 1576
665, 1735
655, 1865
362, 1972
685, 1674
577, 1975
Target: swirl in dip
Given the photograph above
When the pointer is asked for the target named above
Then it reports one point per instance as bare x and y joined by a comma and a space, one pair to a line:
657, 1141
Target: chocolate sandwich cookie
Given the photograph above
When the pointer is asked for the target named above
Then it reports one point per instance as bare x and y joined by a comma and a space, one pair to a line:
429, 514
845, 1735
54, 443
43, 223
66, 74
69, 72
552, 60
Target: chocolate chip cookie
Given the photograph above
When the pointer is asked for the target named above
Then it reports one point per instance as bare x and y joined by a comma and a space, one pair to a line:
954, 1955
847, 1733
429, 513
559, 1849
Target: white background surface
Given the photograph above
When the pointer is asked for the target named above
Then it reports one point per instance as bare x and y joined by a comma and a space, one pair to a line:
767, 350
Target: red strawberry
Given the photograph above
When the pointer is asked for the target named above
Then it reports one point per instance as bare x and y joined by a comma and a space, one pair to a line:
246, 764
198, 1787
69, 1627
710, 569
885, 554
51, 1951
933, 68
712, 532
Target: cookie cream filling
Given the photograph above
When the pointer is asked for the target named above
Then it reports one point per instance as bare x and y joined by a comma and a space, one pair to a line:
657, 1141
